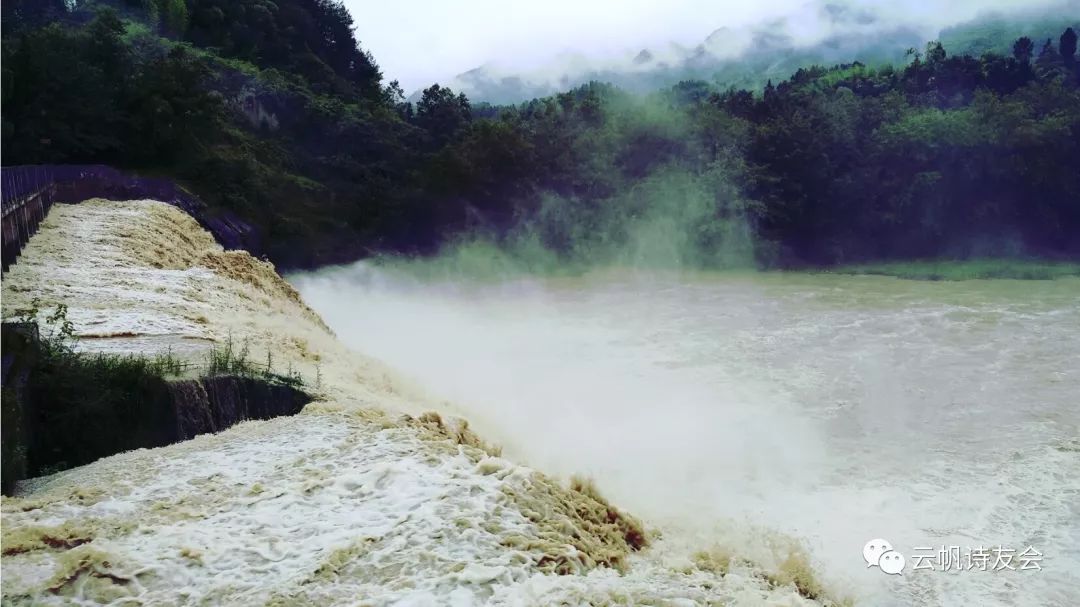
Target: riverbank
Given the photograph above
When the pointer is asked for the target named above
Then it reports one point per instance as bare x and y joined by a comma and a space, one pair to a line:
970, 269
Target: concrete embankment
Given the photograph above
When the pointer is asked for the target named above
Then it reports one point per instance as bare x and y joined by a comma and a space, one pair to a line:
65, 410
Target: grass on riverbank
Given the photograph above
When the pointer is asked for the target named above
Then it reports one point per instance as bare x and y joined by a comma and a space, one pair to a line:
970, 269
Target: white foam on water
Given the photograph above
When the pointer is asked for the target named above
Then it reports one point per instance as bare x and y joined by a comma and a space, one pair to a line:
739, 409
342, 503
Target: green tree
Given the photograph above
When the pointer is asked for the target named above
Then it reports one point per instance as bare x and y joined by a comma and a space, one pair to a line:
935, 53
442, 113
1049, 62
63, 93
1067, 46
1023, 49
172, 114
174, 16
21, 14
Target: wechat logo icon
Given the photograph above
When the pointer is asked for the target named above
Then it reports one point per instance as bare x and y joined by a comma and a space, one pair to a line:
879, 553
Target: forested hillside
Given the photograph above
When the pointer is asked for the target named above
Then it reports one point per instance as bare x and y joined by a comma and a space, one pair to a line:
749, 56
272, 111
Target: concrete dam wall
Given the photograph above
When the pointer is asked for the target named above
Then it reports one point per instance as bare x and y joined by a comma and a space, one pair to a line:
29, 192
62, 412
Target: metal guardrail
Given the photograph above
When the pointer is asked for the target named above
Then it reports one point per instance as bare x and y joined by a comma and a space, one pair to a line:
28, 192
75, 183
21, 219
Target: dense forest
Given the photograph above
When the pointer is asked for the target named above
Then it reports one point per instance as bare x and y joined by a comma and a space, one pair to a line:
271, 111
749, 56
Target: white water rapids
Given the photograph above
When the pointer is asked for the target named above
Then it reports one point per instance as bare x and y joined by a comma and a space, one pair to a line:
367, 495
731, 413
739, 408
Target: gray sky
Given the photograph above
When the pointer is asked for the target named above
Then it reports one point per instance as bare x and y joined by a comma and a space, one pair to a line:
422, 41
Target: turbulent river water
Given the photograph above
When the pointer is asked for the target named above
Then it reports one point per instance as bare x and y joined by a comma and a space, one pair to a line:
741, 409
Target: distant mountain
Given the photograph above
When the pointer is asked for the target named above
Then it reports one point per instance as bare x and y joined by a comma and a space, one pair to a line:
748, 57
996, 32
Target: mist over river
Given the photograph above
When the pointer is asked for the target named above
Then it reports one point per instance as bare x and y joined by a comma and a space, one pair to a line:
743, 409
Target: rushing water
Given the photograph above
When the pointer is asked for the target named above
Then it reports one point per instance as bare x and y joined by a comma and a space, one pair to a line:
740, 408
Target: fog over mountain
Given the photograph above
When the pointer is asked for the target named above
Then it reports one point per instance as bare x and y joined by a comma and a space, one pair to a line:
823, 32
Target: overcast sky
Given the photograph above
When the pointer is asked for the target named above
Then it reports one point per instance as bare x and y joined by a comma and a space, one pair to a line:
422, 41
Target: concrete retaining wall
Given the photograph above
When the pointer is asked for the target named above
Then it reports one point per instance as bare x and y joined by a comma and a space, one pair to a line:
58, 415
